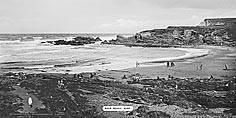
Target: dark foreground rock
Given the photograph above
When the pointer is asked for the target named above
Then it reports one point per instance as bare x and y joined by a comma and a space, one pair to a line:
145, 112
57, 92
67, 94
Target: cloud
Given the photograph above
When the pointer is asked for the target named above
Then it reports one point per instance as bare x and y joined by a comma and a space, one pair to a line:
6, 20
107, 15
124, 25
192, 4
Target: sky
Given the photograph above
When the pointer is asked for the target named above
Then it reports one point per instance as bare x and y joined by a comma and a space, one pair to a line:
107, 16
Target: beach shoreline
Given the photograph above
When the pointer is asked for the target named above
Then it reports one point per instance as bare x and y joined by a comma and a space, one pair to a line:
191, 53
103, 64
213, 59
193, 56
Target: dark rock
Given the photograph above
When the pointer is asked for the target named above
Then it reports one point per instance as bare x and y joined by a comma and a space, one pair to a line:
142, 109
157, 114
13, 68
231, 111
105, 42
124, 77
76, 41
98, 39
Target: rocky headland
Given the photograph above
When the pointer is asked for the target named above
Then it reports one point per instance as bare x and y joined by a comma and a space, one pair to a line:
218, 31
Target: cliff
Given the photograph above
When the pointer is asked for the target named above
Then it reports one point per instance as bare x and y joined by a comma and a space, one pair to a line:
219, 31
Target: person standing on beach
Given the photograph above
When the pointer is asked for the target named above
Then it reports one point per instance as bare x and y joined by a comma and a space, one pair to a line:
200, 67
168, 64
172, 64
226, 67
137, 64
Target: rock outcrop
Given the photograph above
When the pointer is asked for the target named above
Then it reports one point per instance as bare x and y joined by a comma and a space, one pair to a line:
76, 41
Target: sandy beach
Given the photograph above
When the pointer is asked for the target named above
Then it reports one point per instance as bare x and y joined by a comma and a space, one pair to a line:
212, 58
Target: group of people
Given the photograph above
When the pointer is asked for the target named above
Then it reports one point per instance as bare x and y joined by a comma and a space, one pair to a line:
170, 64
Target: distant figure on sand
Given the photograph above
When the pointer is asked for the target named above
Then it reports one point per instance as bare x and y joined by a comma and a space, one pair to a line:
200, 67
137, 64
226, 67
172, 64
168, 64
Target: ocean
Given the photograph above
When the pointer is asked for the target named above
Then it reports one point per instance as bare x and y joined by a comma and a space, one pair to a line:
35, 56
